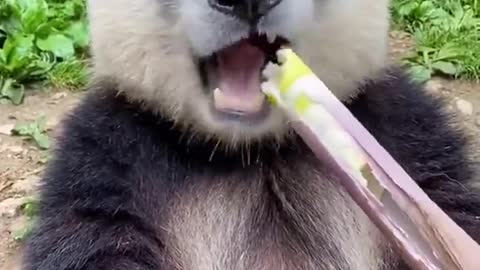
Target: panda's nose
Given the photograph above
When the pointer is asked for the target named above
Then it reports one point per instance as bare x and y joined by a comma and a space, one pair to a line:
247, 10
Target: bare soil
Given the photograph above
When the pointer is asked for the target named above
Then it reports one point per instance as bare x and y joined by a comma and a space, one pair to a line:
21, 161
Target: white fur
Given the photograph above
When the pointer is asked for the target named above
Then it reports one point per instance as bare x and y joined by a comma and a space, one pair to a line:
150, 48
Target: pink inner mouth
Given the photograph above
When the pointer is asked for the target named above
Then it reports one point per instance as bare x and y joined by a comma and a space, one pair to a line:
238, 77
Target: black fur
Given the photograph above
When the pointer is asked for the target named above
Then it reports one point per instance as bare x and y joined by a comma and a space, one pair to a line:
116, 168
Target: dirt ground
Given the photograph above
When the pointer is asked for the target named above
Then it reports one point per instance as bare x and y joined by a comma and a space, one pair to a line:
21, 161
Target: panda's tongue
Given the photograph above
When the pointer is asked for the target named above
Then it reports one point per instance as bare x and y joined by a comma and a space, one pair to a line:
238, 77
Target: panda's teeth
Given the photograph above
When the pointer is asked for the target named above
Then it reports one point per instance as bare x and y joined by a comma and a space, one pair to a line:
271, 37
237, 104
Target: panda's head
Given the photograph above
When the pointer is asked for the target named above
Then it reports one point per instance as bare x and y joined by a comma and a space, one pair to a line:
199, 62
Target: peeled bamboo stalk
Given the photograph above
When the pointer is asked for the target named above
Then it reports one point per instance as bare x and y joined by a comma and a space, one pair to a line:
426, 237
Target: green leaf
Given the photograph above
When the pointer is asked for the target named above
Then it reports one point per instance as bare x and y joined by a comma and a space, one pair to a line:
424, 8
449, 51
78, 31
45, 29
11, 17
30, 208
34, 14
407, 8
60, 45
3, 60
41, 123
42, 140
10, 90
69, 9
30, 128
445, 67
35, 131
17, 50
420, 73
39, 67
24, 5
23, 129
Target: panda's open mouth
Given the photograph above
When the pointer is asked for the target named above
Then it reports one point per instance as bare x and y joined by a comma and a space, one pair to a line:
234, 74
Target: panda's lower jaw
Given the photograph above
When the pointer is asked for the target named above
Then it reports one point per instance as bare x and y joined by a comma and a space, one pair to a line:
234, 76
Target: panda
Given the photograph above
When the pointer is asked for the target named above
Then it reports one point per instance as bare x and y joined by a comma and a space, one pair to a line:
175, 160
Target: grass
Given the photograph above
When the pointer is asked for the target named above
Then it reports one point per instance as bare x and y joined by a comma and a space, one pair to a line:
41, 41
45, 42
447, 36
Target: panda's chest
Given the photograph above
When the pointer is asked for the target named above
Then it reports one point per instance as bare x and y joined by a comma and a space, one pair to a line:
267, 224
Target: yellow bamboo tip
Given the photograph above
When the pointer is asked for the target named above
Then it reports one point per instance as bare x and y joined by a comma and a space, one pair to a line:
293, 68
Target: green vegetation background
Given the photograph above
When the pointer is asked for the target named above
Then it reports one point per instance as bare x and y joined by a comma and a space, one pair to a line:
44, 43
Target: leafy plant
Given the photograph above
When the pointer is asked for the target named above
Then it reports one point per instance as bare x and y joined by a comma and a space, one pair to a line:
30, 210
36, 36
447, 34
35, 131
